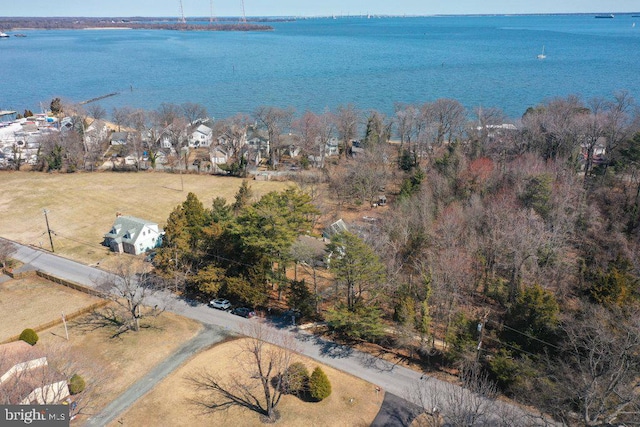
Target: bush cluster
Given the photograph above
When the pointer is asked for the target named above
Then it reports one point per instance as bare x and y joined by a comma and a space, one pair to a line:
319, 385
76, 384
296, 379
29, 336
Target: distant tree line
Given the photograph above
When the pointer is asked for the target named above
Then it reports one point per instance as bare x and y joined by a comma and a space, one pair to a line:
75, 23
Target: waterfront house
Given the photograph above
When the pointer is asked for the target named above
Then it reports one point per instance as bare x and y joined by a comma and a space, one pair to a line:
96, 132
119, 138
201, 136
133, 235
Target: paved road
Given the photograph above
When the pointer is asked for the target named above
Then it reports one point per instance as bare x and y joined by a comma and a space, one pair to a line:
391, 378
207, 337
396, 411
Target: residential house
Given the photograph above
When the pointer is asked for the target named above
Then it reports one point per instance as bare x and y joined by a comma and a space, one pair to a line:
201, 137
219, 156
119, 138
96, 132
230, 143
258, 149
332, 147
133, 235
599, 152
172, 136
26, 378
334, 228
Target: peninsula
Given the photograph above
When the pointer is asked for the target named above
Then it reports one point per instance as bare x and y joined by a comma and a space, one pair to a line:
79, 23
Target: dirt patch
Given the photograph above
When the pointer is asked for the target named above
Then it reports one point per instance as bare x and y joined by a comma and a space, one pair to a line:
32, 301
82, 206
127, 358
353, 402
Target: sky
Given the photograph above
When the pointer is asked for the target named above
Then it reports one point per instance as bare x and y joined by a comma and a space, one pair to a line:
169, 8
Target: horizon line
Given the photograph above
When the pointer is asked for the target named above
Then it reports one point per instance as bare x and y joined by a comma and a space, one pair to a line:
335, 15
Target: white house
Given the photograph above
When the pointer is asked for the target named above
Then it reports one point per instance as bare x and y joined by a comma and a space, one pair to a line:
133, 235
201, 137
219, 156
96, 132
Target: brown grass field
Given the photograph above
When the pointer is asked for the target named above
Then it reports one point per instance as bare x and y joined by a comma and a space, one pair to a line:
353, 402
82, 206
119, 362
33, 301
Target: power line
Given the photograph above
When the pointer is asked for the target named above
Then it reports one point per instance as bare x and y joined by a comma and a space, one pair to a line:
525, 334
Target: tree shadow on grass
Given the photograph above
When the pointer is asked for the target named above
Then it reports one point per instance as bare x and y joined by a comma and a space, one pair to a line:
106, 318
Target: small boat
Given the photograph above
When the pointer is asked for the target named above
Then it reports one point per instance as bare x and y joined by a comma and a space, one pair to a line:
609, 16
20, 35
4, 35
541, 55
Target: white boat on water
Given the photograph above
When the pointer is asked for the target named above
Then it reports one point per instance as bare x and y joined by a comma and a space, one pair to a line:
4, 35
542, 55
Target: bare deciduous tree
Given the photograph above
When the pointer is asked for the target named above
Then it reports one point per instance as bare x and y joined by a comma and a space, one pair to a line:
96, 112
595, 378
276, 121
7, 249
346, 121
194, 112
256, 384
472, 403
132, 288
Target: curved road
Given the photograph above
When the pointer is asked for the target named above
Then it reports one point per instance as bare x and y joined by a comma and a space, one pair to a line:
391, 378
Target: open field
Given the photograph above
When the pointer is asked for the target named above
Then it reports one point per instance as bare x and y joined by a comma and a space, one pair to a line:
353, 402
82, 206
33, 301
121, 361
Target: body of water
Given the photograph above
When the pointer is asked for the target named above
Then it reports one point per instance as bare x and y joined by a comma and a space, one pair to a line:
318, 64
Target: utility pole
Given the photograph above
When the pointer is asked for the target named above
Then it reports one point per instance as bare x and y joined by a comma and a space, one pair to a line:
481, 327
46, 218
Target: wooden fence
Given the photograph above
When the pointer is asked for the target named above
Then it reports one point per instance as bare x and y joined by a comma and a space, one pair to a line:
68, 284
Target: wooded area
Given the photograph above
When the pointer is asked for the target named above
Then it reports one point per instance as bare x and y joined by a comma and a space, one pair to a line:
512, 247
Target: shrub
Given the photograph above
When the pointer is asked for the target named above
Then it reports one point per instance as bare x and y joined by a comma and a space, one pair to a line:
29, 336
319, 385
295, 379
76, 384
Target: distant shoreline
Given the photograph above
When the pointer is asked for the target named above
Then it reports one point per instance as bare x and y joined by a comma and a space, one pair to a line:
13, 24
108, 28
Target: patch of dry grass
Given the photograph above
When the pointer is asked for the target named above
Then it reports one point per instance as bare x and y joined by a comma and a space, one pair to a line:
82, 206
125, 359
353, 402
33, 301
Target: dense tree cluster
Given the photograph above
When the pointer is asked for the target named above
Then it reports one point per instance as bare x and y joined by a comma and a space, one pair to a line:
240, 250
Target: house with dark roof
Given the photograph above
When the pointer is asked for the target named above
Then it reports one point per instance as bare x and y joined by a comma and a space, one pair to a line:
133, 235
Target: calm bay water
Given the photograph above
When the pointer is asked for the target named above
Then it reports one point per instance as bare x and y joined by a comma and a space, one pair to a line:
316, 64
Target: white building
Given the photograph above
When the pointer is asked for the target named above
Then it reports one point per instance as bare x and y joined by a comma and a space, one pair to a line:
201, 137
133, 235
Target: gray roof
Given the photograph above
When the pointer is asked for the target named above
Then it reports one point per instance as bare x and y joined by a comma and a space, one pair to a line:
127, 228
